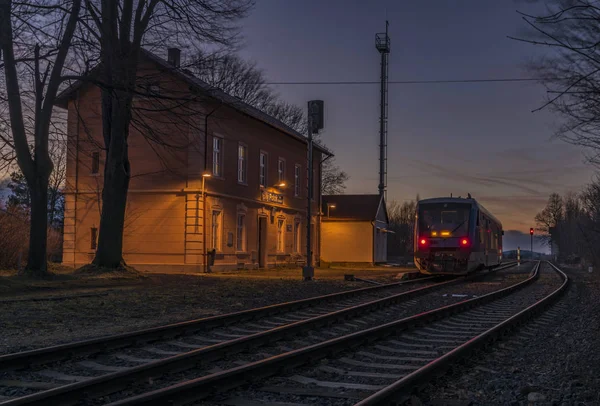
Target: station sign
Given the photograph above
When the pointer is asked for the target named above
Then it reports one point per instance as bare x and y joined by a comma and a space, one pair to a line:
271, 197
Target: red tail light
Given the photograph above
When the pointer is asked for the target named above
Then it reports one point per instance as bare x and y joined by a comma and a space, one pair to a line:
423, 241
464, 242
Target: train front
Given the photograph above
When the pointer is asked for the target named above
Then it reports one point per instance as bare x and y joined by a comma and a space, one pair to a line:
443, 241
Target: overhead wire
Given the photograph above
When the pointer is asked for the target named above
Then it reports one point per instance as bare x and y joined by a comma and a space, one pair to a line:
410, 82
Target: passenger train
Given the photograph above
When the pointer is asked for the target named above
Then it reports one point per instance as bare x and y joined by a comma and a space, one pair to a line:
456, 236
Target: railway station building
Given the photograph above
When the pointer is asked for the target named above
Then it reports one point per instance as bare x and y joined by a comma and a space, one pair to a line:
354, 229
208, 171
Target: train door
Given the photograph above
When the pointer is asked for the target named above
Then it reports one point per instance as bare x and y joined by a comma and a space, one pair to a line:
493, 244
499, 246
487, 241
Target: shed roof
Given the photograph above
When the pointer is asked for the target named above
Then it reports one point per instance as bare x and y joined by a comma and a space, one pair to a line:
353, 207
215, 93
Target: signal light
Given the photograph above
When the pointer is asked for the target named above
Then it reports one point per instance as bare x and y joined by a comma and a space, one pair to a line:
531, 231
464, 241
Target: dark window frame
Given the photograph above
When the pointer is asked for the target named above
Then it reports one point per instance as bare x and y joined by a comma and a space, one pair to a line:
95, 170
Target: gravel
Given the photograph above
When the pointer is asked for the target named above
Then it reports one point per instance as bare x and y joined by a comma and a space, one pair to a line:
433, 300
547, 283
139, 304
130, 305
554, 361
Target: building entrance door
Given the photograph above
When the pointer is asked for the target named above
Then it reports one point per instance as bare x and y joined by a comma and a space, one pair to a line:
262, 242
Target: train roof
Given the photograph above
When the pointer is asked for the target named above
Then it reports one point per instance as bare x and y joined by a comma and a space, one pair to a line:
468, 200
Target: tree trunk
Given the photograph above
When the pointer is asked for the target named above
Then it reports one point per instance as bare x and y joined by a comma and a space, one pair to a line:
36, 261
116, 184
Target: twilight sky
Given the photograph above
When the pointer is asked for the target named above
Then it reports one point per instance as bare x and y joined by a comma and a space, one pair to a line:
479, 138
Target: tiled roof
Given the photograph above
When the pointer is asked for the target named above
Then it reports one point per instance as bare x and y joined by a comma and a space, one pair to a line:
213, 92
352, 207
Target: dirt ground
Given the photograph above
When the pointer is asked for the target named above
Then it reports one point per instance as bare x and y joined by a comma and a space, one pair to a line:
68, 308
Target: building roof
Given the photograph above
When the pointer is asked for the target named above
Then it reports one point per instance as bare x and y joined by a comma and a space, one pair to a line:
353, 207
213, 92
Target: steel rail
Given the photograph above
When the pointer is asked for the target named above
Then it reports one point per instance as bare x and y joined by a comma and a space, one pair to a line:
113, 382
403, 387
215, 383
101, 344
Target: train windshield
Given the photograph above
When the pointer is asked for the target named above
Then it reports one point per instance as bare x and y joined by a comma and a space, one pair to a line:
444, 219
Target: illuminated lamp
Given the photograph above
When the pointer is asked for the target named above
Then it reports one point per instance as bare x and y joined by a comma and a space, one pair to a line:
423, 241
464, 242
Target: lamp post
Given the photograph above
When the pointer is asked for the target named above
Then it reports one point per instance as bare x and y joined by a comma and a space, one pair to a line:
330, 206
204, 176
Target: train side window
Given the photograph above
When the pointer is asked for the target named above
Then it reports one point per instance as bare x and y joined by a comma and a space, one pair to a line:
478, 215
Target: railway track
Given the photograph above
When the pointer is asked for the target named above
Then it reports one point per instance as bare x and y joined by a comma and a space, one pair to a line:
376, 365
66, 377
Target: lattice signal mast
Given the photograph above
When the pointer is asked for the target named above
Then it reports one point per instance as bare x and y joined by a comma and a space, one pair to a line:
382, 43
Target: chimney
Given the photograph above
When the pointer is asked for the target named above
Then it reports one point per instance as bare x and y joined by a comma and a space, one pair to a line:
174, 56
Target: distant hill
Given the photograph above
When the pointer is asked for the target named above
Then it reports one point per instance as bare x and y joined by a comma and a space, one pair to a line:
525, 254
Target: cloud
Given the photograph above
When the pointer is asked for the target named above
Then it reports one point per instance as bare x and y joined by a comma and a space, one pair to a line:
480, 179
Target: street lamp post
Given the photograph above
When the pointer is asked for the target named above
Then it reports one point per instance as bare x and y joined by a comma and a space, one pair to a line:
204, 176
329, 206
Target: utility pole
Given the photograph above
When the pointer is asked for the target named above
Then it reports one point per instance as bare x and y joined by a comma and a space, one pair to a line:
315, 123
382, 43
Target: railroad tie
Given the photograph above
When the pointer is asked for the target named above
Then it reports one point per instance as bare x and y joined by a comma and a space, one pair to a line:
100, 367
62, 377
360, 374
338, 385
130, 358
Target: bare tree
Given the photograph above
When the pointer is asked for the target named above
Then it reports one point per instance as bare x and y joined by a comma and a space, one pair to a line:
401, 219
244, 80
550, 217
571, 68
122, 28
35, 38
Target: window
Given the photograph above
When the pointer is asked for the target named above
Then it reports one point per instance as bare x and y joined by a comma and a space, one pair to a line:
242, 163
297, 236
152, 88
241, 232
217, 156
281, 170
216, 230
297, 170
95, 162
149, 88
94, 238
280, 235
307, 186
263, 169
